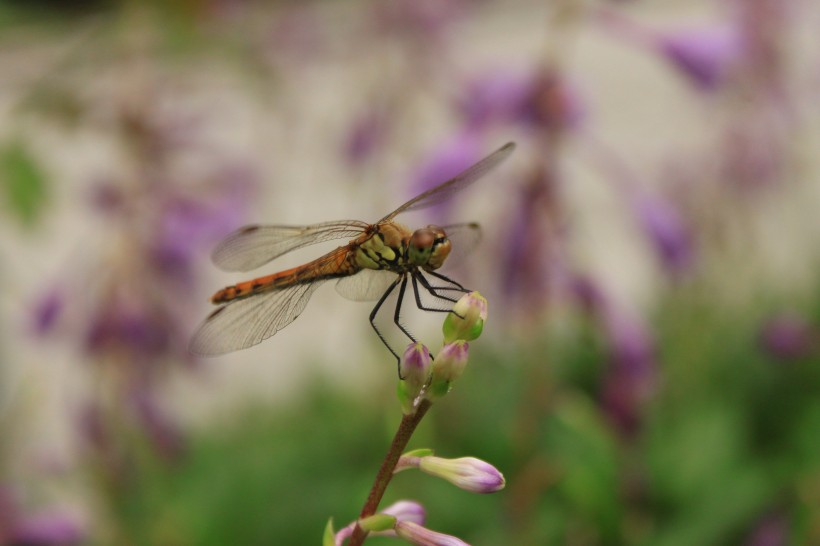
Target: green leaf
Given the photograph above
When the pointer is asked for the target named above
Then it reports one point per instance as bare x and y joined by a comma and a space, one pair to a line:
22, 181
329, 536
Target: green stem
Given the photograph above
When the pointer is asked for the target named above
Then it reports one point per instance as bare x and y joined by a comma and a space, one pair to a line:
400, 440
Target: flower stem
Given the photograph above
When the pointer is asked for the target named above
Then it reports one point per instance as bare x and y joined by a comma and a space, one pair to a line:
400, 440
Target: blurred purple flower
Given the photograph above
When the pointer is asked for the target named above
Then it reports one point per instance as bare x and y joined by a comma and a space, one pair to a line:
366, 136
533, 98
632, 373
528, 263
124, 323
788, 336
446, 162
771, 530
47, 310
666, 231
704, 56
163, 433
45, 528
423, 20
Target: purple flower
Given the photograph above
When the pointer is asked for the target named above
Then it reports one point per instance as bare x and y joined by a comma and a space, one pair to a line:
666, 230
631, 375
446, 162
788, 336
45, 528
47, 310
532, 98
703, 55
366, 136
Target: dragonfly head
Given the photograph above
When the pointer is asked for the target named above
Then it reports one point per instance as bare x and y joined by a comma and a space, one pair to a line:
428, 247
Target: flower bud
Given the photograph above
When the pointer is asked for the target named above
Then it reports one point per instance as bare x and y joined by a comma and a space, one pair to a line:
421, 536
467, 473
447, 367
467, 318
415, 371
406, 511
378, 522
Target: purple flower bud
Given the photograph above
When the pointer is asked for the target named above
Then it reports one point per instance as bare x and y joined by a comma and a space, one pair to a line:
421, 536
448, 366
405, 510
466, 322
415, 372
467, 473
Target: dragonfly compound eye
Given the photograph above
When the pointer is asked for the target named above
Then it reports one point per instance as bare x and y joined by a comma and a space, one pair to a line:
429, 247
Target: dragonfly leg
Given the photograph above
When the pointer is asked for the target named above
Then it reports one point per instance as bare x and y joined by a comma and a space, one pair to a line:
375, 311
456, 286
419, 278
397, 314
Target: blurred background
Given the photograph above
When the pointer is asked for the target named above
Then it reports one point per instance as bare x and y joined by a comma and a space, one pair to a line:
650, 369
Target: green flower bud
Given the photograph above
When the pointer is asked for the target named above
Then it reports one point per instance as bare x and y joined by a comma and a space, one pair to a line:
466, 322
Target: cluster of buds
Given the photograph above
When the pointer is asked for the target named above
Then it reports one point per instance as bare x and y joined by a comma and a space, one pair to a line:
426, 378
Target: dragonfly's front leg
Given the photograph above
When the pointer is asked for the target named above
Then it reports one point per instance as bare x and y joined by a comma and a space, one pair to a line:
419, 278
456, 286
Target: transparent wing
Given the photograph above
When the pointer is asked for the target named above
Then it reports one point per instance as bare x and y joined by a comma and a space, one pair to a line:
445, 190
243, 323
366, 285
252, 246
464, 238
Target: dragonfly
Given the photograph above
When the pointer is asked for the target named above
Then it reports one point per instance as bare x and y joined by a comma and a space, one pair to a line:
378, 259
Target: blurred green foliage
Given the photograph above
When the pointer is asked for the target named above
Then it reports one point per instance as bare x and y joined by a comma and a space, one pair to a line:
24, 184
729, 438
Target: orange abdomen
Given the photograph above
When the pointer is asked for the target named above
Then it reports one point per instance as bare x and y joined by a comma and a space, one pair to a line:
338, 263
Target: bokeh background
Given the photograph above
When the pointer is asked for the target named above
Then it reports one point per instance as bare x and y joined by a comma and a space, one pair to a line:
650, 370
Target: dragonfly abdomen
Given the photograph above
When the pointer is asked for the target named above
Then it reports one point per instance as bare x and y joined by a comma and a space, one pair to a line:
339, 263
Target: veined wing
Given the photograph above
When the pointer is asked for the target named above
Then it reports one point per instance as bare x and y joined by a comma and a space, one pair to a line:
366, 285
252, 246
243, 323
463, 240
445, 190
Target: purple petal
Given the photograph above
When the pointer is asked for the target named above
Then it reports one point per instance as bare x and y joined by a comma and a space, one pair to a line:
702, 55
665, 228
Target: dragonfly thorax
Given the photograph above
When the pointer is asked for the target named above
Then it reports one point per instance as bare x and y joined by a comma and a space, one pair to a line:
428, 248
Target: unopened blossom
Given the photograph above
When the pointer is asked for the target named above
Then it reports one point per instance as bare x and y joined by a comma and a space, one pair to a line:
466, 473
405, 510
466, 322
414, 370
421, 536
448, 366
